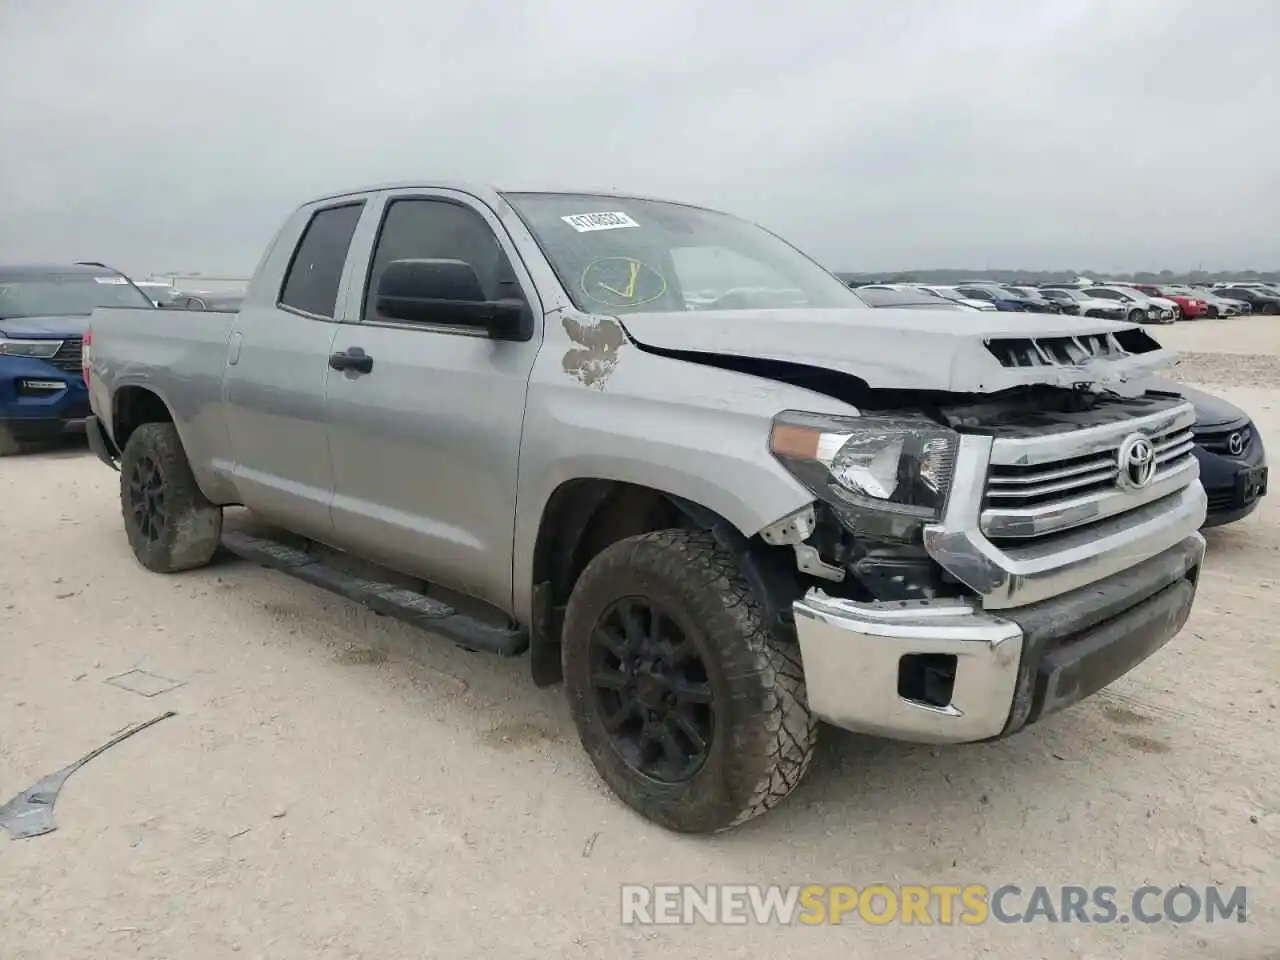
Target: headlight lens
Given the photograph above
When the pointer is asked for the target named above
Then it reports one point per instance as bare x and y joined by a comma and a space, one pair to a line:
41, 349
889, 465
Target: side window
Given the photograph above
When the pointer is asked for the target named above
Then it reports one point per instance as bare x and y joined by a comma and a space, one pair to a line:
439, 230
312, 281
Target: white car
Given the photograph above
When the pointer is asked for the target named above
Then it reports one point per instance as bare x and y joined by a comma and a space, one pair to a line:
1218, 305
1079, 304
1139, 308
1163, 302
946, 293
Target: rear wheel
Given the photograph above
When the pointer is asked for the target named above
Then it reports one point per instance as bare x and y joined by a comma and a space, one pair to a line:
1137, 316
1212, 312
169, 523
692, 711
1270, 309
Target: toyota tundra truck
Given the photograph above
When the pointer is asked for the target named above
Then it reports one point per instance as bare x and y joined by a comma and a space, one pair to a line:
675, 463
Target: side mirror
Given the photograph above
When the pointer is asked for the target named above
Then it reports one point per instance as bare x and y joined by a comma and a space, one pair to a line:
448, 292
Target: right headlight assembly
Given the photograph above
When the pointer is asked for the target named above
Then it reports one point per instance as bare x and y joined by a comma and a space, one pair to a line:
897, 467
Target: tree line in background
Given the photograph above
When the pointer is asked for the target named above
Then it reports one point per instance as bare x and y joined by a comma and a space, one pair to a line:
944, 277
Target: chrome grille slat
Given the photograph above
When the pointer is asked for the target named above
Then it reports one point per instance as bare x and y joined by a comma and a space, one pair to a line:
1031, 494
1099, 475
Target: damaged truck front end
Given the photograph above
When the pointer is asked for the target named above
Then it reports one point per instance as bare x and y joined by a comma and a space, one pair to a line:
983, 564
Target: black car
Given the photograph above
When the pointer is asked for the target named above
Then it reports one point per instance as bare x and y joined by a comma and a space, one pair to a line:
1262, 301
1233, 464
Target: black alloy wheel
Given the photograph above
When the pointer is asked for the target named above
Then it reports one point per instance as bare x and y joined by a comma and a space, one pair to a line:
651, 691
147, 493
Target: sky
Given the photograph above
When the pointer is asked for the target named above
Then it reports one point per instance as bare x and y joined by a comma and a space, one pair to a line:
1042, 134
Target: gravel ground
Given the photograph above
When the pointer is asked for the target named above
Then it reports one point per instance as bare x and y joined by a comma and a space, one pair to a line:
336, 785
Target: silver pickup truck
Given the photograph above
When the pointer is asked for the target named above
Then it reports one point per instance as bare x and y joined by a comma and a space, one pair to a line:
676, 462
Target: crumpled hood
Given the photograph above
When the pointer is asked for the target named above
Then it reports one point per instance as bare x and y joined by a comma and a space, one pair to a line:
44, 328
888, 348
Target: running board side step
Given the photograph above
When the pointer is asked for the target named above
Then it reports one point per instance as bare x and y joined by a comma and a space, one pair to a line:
385, 598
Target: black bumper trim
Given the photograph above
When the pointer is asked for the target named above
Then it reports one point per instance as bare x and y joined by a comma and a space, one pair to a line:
1105, 623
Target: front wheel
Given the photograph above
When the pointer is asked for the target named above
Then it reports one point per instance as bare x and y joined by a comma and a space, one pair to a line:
1270, 309
692, 711
1137, 316
169, 523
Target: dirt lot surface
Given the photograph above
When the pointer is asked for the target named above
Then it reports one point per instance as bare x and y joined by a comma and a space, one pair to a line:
337, 785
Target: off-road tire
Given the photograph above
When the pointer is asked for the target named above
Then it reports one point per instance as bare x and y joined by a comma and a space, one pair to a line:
193, 526
764, 733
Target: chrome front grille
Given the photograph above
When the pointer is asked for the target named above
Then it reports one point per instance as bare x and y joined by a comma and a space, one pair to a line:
1030, 492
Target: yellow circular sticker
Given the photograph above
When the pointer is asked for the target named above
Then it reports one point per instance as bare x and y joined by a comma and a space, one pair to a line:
622, 282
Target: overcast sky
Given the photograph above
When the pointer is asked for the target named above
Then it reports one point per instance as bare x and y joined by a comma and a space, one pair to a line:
1130, 134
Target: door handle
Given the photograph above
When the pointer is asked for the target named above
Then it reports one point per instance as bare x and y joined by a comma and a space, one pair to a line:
353, 358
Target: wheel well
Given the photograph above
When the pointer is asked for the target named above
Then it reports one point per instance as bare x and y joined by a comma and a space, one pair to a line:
131, 408
583, 517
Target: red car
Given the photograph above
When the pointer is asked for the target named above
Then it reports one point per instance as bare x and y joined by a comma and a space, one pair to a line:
1192, 307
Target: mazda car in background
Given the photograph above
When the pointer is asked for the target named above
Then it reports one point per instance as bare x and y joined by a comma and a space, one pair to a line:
1233, 463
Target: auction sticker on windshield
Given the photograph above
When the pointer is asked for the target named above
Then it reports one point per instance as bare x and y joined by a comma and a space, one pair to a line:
611, 220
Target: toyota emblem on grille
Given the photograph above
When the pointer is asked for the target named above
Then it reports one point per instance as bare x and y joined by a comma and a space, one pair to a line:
1235, 443
1137, 462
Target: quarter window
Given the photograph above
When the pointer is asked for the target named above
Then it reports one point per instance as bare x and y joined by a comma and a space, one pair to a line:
311, 285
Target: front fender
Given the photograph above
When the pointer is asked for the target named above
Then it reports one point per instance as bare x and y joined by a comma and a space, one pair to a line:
687, 430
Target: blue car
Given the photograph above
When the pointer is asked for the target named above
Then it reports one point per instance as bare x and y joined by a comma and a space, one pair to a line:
1004, 300
44, 312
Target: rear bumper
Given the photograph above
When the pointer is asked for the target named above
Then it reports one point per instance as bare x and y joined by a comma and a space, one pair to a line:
993, 673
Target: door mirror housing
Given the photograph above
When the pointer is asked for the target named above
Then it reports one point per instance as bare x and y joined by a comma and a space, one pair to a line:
448, 292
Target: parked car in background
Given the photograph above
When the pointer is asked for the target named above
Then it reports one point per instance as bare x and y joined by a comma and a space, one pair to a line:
44, 310
1220, 306
1039, 302
1139, 308
879, 296
1078, 304
1002, 299
1163, 302
1266, 286
1233, 464
205, 301
1190, 307
951, 293
689, 516
919, 290
1260, 299
160, 293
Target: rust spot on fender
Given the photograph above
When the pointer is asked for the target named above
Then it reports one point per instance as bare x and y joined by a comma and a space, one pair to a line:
595, 353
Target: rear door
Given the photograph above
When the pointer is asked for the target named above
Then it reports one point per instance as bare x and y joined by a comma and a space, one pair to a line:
277, 361
426, 443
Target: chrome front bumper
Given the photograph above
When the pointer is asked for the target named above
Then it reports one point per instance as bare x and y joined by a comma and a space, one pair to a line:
852, 651
1010, 668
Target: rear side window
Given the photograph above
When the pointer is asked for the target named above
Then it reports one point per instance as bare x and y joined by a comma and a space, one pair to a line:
311, 284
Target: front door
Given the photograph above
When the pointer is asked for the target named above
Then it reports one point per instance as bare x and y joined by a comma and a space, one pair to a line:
277, 366
426, 442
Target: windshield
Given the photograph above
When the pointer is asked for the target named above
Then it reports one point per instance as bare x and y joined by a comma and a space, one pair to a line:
63, 295
620, 255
